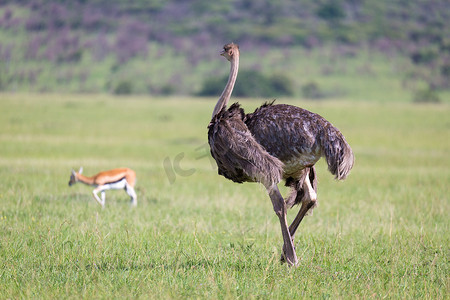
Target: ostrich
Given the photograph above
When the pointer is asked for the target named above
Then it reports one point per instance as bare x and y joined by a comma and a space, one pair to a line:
274, 143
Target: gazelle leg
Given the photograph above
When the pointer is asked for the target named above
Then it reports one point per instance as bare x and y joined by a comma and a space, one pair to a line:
279, 207
95, 193
130, 191
102, 196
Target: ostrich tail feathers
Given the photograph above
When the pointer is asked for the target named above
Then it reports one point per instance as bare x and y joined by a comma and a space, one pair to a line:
338, 153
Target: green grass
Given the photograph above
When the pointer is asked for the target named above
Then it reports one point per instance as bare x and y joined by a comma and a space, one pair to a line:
383, 233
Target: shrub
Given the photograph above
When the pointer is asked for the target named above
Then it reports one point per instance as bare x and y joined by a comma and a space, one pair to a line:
124, 87
212, 86
281, 85
167, 90
252, 83
424, 55
311, 90
331, 11
427, 95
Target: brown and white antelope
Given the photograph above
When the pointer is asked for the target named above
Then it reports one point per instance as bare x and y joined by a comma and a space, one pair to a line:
115, 179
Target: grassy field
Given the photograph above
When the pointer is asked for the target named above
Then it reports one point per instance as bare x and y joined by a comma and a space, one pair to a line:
382, 233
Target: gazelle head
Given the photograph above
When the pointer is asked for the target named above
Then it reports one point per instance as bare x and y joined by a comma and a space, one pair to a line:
73, 176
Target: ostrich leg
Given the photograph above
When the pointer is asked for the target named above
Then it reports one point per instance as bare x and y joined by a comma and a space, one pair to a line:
308, 201
279, 206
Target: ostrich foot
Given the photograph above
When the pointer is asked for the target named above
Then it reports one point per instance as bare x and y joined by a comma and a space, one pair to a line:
289, 257
292, 262
283, 255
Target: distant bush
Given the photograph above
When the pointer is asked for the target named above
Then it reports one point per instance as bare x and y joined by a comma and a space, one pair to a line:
331, 11
212, 86
124, 87
281, 85
427, 95
424, 55
167, 90
445, 70
311, 90
250, 83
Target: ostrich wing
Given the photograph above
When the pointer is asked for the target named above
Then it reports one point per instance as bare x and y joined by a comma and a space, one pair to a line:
238, 155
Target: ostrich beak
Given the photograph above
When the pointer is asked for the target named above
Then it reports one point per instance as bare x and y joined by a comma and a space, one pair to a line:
222, 52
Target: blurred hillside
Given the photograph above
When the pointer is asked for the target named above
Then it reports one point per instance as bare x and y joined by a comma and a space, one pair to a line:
171, 47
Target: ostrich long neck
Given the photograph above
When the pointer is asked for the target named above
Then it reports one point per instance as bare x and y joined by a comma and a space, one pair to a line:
226, 94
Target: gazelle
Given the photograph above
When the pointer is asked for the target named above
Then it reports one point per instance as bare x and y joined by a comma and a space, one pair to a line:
115, 179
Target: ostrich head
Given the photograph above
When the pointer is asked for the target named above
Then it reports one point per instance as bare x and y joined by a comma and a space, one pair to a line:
230, 50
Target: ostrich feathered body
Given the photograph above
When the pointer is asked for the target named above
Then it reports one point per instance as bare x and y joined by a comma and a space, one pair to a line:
275, 142
299, 138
